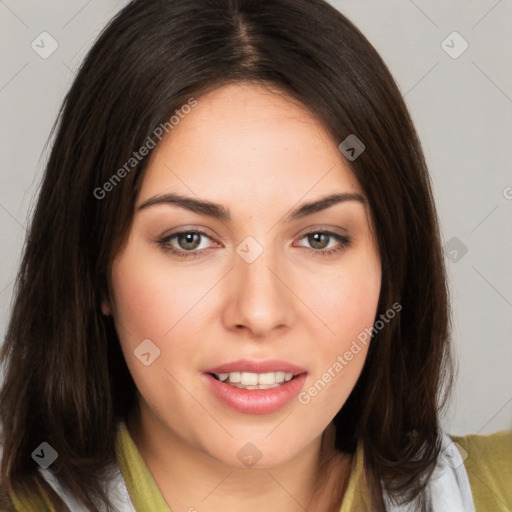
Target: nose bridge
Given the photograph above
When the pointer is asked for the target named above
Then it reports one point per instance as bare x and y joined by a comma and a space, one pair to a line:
260, 300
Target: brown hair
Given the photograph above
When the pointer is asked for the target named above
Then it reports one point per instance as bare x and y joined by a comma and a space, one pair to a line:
66, 381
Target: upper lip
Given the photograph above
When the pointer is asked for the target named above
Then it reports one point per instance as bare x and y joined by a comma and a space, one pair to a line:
251, 366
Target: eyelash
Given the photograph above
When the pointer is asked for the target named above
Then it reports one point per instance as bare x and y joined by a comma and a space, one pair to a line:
344, 242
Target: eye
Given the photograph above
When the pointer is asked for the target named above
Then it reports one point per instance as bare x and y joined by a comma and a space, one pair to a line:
326, 243
190, 244
185, 243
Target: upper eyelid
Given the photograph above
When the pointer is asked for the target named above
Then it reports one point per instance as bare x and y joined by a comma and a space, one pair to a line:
201, 230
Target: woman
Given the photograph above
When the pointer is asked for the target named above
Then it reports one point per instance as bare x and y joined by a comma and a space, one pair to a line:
233, 293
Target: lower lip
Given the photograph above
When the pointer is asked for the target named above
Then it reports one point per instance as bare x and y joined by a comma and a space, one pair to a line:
256, 401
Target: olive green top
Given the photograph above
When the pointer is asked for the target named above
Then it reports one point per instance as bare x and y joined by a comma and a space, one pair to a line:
487, 460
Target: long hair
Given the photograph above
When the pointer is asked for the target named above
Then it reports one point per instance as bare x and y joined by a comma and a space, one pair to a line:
66, 381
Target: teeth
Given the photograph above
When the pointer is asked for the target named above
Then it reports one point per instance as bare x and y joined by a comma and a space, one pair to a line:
249, 380
266, 378
234, 376
259, 386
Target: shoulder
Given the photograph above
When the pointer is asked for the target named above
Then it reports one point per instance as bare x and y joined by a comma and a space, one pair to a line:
488, 463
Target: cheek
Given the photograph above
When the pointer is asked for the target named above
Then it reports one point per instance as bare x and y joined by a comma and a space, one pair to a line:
346, 299
139, 309
147, 304
351, 304
150, 298
347, 305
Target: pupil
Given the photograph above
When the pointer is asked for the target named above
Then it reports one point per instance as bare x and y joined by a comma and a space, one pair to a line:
316, 242
186, 240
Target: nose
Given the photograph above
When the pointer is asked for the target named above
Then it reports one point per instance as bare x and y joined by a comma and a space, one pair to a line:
259, 299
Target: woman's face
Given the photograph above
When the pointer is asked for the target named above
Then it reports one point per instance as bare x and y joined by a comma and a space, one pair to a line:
260, 295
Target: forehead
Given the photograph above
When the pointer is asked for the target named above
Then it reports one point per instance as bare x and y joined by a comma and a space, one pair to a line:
243, 138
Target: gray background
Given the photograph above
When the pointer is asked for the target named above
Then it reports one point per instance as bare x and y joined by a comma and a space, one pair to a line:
462, 109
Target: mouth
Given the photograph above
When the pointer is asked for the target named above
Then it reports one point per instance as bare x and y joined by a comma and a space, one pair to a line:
255, 387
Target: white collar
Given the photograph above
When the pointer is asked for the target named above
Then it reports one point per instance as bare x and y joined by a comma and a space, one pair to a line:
448, 487
114, 486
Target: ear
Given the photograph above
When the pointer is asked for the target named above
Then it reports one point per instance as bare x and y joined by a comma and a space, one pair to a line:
105, 308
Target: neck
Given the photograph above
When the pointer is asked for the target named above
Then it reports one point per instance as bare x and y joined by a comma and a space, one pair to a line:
189, 479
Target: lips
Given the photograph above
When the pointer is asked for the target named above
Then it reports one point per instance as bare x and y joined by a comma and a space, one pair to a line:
259, 398
252, 366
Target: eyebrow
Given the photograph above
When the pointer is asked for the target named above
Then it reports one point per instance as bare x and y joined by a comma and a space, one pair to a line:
217, 211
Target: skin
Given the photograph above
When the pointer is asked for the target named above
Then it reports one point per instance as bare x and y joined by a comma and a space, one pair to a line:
260, 155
